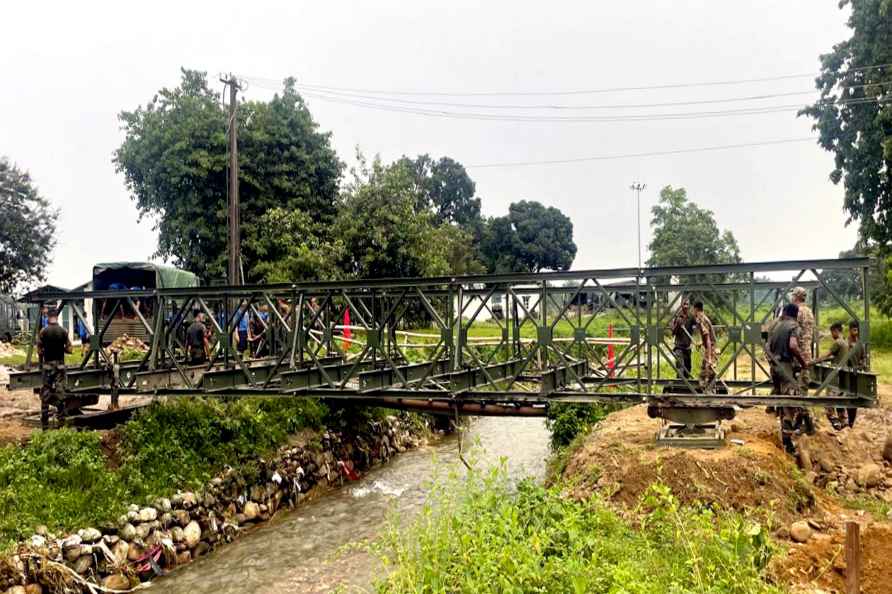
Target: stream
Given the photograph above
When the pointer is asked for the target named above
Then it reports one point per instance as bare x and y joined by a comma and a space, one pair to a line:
306, 550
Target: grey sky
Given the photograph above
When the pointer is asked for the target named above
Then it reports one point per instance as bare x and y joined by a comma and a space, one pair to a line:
69, 69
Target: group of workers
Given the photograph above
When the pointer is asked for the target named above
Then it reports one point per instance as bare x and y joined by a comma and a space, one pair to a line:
250, 335
788, 348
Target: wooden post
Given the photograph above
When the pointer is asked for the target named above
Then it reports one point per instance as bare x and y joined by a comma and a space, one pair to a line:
853, 558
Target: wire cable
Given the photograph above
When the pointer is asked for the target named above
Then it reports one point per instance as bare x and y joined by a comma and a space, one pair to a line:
640, 155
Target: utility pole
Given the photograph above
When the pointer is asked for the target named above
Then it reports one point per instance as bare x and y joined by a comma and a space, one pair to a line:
637, 187
235, 248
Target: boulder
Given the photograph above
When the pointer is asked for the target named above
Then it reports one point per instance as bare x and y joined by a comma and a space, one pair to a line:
192, 534
33, 589
887, 448
17, 590
800, 531
189, 500
869, 475
176, 533
143, 530
251, 511
166, 520
182, 517
119, 552
164, 504
37, 541
128, 532
135, 551
89, 535
184, 557
116, 581
83, 564
148, 514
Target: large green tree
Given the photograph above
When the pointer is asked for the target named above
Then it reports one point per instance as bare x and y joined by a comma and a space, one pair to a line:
384, 231
854, 116
27, 229
531, 238
445, 187
174, 159
685, 234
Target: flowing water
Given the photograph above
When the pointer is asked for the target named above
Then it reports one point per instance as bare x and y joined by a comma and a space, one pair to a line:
307, 550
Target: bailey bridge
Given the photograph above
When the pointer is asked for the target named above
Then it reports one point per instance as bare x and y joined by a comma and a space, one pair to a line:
495, 344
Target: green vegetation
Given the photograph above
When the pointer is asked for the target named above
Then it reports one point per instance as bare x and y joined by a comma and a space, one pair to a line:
481, 534
65, 480
567, 421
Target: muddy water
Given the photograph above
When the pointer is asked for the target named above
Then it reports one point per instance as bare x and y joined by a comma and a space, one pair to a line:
309, 549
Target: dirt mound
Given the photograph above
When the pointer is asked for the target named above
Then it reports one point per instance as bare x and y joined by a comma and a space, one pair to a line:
621, 461
820, 563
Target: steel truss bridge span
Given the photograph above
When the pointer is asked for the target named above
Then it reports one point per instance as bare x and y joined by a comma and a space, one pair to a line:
507, 344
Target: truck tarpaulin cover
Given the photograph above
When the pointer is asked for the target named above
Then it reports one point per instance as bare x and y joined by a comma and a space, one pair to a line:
141, 274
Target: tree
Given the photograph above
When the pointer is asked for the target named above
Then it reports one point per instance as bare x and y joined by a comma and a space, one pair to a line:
530, 238
686, 235
854, 116
290, 247
174, 160
27, 229
445, 187
383, 231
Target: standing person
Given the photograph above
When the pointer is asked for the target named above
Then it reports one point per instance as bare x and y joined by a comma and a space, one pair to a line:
838, 354
241, 333
197, 345
806, 321
707, 337
52, 344
259, 335
858, 357
784, 352
682, 327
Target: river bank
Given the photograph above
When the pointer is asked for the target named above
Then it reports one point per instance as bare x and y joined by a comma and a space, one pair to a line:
224, 458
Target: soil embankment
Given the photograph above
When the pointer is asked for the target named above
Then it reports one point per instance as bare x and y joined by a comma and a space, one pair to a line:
842, 476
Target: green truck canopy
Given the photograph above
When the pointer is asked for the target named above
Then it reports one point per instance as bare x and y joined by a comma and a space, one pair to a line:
141, 274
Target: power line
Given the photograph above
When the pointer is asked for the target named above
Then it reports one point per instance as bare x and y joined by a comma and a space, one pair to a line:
640, 155
578, 119
331, 88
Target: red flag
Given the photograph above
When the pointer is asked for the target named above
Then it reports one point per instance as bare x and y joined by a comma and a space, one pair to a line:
347, 332
611, 362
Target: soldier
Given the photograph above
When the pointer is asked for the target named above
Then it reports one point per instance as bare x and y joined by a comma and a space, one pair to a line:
838, 354
806, 321
52, 344
682, 327
707, 336
783, 352
858, 356
197, 344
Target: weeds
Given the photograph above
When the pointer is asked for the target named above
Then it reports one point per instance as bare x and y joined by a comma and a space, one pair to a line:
478, 534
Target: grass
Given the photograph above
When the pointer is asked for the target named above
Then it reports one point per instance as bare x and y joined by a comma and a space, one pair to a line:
64, 480
480, 534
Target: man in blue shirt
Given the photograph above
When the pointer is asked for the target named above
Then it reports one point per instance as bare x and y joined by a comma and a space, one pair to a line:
244, 322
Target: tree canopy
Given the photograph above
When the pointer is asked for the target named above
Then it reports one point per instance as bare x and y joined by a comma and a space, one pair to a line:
530, 238
685, 234
174, 159
446, 188
854, 118
27, 229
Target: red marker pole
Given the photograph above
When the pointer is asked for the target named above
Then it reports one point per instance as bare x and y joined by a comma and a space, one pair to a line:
610, 360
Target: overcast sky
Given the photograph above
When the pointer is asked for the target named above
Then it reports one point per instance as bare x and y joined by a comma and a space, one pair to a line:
68, 69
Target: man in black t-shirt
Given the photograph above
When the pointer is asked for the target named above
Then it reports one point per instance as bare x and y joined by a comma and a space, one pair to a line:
197, 341
682, 328
52, 344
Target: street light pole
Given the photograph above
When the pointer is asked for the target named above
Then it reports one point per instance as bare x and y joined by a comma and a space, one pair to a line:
637, 187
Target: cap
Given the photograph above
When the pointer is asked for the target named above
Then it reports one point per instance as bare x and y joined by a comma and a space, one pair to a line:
800, 292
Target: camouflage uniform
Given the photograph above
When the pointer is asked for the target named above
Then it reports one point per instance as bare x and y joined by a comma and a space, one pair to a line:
806, 322
783, 376
707, 366
52, 344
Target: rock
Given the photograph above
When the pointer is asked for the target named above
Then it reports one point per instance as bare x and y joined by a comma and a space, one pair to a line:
201, 549
184, 557
869, 475
800, 531
182, 517
239, 519
135, 552
33, 589
42, 531
143, 530
189, 500
164, 504
128, 532
122, 520
89, 535
133, 516
133, 508
192, 534
176, 533
810, 477
110, 539
148, 514
17, 590
72, 541
83, 564
116, 581
120, 551
177, 501
251, 511
887, 448
37, 541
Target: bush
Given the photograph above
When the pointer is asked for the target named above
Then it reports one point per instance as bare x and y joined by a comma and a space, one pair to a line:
480, 535
566, 421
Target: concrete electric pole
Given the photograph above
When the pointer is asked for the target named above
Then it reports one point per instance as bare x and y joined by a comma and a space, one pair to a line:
235, 248
637, 187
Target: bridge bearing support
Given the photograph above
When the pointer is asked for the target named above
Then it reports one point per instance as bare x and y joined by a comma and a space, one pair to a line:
691, 427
